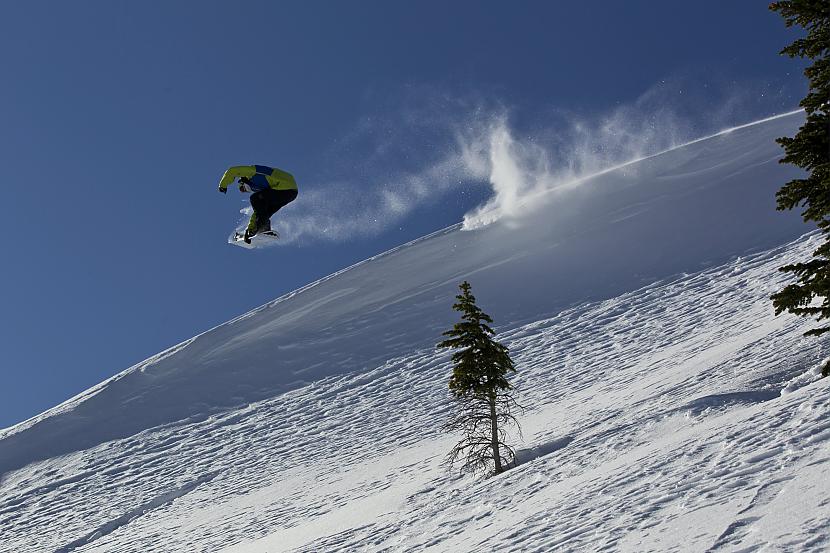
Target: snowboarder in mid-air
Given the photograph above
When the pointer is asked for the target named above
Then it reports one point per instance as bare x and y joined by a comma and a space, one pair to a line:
272, 189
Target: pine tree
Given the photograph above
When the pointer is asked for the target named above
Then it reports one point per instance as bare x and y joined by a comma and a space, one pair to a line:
480, 389
809, 150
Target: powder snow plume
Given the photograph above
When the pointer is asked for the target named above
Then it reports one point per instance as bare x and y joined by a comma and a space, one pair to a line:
417, 156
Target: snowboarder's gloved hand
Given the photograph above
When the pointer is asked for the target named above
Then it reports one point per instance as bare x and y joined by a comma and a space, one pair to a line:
223, 190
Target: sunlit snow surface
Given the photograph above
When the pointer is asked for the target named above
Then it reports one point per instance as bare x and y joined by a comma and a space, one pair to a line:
667, 408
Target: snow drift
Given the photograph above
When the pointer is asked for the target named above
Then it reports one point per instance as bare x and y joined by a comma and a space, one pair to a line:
636, 307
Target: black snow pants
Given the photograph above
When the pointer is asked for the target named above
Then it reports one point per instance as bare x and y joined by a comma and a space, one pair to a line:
266, 203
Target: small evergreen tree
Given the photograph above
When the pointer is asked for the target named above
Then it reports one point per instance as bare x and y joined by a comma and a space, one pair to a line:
810, 150
480, 389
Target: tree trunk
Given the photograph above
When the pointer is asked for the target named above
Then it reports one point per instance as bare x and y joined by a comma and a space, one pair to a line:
494, 434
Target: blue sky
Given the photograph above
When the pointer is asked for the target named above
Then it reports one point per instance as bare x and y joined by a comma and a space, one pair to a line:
117, 120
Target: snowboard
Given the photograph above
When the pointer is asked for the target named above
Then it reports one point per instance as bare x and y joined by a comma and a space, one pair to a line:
258, 239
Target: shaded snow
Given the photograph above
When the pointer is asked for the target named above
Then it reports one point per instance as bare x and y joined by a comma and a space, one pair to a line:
667, 408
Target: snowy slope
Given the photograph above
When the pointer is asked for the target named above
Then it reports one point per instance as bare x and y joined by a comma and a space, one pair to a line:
668, 408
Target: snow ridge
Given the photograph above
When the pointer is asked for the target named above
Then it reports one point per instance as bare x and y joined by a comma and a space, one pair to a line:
675, 212
668, 408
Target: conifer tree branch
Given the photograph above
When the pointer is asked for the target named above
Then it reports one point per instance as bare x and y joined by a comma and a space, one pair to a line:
809, 150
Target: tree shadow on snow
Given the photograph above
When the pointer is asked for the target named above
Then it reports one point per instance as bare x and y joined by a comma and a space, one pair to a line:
526, 455
730, 399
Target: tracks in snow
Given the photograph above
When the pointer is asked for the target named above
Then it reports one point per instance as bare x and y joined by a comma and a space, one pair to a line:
131, 515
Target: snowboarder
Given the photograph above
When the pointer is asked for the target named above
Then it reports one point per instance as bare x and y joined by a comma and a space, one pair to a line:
272, 189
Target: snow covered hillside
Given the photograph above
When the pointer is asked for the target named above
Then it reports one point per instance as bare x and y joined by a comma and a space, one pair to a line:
667, 408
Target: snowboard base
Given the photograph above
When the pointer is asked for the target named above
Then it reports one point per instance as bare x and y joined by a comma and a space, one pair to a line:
260, 238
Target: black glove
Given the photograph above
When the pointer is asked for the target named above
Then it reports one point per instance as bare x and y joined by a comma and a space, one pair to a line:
223, 190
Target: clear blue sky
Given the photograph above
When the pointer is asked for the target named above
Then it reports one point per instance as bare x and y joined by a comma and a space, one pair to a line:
118, 118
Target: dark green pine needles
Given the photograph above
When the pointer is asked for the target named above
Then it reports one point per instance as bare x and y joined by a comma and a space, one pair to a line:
480, 387
809, 150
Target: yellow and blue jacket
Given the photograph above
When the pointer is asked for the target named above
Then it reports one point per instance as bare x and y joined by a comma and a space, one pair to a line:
260, 177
